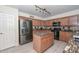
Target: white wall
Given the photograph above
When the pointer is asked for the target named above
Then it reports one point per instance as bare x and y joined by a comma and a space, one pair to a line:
28, 15
75, 12
14, 12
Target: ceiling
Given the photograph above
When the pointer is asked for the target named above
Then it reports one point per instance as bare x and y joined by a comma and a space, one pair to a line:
53, 9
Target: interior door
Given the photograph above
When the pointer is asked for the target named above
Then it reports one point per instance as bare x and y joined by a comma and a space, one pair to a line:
1, 34
6, 31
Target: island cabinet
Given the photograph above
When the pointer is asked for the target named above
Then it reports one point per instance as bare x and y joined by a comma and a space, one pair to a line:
65, 36
42, 41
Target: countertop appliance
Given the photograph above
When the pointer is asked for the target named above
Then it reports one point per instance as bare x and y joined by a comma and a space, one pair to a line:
25, 31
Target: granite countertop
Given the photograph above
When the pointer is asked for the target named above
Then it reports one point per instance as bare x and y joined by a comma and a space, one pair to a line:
76, 35
42, 33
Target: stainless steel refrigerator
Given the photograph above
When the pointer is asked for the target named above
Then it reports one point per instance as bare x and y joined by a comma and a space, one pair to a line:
25, 31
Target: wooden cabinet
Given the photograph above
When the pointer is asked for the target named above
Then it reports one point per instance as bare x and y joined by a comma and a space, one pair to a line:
48, 23
41, 23
64, 21
65, 36
78, 19
35, 22
73, 20
41, 43
78, 22
47, 41
51, 22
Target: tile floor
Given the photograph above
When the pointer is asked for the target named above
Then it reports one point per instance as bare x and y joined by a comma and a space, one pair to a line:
58, 47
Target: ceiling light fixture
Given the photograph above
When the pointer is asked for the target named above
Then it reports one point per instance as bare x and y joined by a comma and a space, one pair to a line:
42, 10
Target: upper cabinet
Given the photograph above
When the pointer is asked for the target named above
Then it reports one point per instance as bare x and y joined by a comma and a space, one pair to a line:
36, 22
41, 23
48, 23
77, 19
63, 21
73, 20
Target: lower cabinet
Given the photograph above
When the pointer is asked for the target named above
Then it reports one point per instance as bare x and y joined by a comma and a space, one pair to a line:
46, 42
65, 36
41, 43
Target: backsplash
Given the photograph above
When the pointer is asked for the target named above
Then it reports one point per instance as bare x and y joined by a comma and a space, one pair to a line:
63, 28
41, 28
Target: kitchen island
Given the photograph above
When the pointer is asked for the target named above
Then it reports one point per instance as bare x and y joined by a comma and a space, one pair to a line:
42, 40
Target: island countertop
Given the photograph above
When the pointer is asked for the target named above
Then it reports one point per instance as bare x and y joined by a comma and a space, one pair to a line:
42, 33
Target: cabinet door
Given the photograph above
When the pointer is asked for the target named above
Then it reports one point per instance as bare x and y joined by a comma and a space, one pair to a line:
48, 23
64, 21
33, 22
65, 36
78, 22
73, 20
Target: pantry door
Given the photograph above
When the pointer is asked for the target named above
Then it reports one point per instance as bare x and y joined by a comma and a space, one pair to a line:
6, 31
